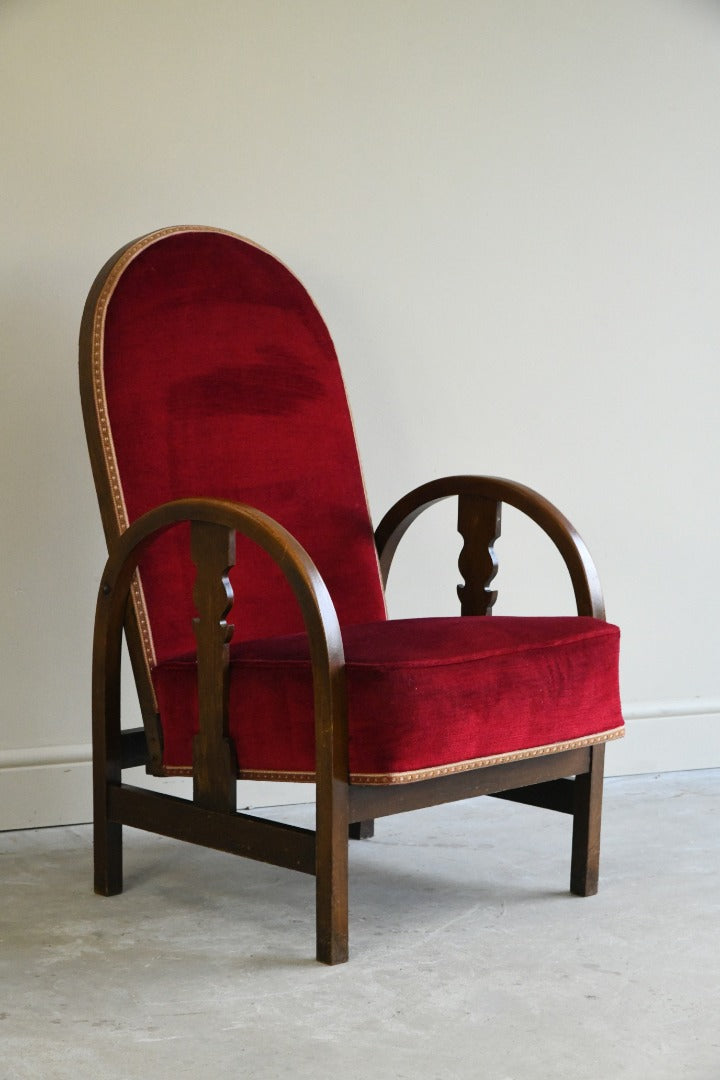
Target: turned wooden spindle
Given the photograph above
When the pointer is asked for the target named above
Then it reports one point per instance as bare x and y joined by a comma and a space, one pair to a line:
479, 520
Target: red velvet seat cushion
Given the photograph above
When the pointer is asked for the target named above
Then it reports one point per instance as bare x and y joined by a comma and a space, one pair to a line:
425, 696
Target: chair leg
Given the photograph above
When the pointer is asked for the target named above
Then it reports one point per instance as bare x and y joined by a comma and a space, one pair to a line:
107, 853
331, 876
362, 830
587, 815
107, 835
107, 741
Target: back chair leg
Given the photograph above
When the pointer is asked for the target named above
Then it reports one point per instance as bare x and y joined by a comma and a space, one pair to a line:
362, 830
587, 812
107, 854
107, 835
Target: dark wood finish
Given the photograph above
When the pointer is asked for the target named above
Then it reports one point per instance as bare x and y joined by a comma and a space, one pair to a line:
239, 834
479, 522
556, 795
585, 863
378, 800
214, 764
133, 748
361, 830
330, 846
332, 812
107, 735
584, 577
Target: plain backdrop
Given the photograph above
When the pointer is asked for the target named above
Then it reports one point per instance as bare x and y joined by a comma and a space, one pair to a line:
508, 214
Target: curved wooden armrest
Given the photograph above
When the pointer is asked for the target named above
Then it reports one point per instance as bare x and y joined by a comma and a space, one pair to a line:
214, 523
480, 499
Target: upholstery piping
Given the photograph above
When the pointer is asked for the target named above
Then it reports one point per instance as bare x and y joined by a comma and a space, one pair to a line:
431, 773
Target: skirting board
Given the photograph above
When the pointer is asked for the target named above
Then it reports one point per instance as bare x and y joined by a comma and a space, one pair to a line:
48, 786
673, 736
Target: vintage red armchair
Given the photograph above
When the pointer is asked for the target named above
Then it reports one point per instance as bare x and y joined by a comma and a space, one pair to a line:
226, 470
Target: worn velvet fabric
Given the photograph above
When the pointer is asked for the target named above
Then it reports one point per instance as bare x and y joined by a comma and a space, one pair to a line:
220, 380
423, 694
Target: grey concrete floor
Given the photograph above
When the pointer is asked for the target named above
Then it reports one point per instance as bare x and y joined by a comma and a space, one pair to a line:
469, 958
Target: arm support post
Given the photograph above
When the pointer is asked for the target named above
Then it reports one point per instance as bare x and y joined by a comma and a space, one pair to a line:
214, 764
479, 521
478, 494
326, 653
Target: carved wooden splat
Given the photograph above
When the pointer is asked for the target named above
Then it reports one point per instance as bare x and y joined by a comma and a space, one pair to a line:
214, 765
479, 520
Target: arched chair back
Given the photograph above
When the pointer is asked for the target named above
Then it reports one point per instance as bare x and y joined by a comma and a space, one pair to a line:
210, 373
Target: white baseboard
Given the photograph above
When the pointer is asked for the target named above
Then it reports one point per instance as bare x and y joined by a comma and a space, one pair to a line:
673, 736
33, 796
51, 785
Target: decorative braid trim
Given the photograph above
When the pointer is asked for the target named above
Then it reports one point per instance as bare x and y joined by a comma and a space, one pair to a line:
426, 774
98, 379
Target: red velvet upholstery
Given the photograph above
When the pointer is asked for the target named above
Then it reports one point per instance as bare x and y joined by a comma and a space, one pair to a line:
423, 695
220, 380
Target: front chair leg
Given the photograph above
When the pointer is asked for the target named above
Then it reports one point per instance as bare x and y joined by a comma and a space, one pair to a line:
587, 813
331, 875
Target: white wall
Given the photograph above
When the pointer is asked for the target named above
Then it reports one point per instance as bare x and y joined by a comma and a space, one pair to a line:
508, 214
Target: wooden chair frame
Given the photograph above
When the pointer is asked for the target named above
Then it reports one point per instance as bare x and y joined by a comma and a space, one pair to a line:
568, 780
